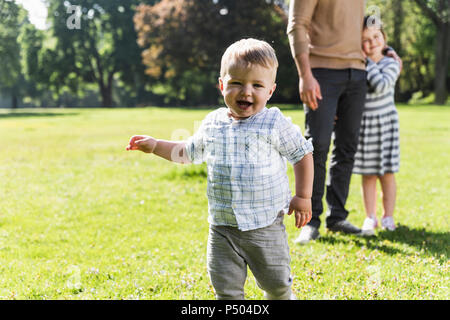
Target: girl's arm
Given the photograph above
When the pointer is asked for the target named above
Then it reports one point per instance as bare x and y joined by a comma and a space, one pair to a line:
382, 79
390, 52
170, 150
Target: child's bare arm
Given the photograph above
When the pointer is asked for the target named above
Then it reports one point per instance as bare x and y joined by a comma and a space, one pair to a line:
301, 202
169, 150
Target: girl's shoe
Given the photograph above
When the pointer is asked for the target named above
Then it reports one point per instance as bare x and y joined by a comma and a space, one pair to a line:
369, 225
388, 223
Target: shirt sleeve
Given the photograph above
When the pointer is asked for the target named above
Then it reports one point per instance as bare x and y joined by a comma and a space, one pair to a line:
300, 15
290, 142
195, 148
382, 79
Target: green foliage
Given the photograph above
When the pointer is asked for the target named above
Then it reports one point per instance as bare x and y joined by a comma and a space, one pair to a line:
98, 46
9, 46
184, 42
181, 45
82, 218
13, 25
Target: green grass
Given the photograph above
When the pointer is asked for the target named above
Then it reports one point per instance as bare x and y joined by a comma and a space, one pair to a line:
81, 218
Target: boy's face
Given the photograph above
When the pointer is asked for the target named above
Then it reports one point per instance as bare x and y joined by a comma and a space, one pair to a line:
372, 41
247, 90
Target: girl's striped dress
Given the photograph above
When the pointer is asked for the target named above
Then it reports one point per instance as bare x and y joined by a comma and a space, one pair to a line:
378, 147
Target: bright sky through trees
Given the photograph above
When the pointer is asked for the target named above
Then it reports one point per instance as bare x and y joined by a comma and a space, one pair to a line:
37, 11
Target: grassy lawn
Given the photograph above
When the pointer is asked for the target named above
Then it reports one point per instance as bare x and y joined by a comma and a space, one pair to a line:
81, 218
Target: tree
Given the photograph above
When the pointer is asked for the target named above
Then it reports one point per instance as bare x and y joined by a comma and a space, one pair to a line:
438, 11
183, 42
10, 70
31, 41
94, 43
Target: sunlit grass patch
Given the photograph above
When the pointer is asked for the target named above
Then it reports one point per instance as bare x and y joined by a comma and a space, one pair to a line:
81, 218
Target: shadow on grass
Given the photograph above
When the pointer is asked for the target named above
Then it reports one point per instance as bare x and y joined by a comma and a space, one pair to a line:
433, 243
368, 242
36, 114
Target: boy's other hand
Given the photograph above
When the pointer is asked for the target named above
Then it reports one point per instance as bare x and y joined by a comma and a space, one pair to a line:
143, 143
303, 211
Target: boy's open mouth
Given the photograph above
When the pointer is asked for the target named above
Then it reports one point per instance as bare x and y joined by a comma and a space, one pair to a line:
244, 104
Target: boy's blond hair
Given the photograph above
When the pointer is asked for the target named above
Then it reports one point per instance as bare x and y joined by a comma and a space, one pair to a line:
247, 52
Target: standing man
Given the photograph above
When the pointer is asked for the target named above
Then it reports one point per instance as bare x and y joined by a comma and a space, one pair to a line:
325, 40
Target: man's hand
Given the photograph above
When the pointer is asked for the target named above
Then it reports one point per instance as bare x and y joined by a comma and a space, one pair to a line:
303, 211
310, 91
143, 143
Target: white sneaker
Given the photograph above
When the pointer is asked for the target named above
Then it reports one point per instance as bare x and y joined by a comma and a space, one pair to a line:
369, 226
307, 234
388, 223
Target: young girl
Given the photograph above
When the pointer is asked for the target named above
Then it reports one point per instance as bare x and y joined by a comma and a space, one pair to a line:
377, 156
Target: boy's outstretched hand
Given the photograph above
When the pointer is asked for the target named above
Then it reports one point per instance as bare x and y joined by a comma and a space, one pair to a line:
145, 144
303, 211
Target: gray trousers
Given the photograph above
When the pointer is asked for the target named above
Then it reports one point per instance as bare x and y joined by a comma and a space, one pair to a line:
265, 251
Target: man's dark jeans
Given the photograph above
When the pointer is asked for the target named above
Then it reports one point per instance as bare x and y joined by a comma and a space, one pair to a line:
343, 96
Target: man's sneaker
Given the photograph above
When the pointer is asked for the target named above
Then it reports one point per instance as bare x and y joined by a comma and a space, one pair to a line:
345, 227
388, 223
369, 226
307, 234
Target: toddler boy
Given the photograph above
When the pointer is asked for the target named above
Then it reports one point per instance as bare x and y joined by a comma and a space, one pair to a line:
245, 146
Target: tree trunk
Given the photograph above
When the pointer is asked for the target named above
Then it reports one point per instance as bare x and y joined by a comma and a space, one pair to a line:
106, 92
397, 8
442, 63
439, 16
106, 89
13, 100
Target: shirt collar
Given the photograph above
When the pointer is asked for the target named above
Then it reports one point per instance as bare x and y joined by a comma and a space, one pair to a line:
263, 110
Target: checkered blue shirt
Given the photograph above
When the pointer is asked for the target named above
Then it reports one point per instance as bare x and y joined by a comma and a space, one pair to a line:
246, 160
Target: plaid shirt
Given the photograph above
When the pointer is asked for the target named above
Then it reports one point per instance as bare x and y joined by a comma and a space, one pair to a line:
246, 160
